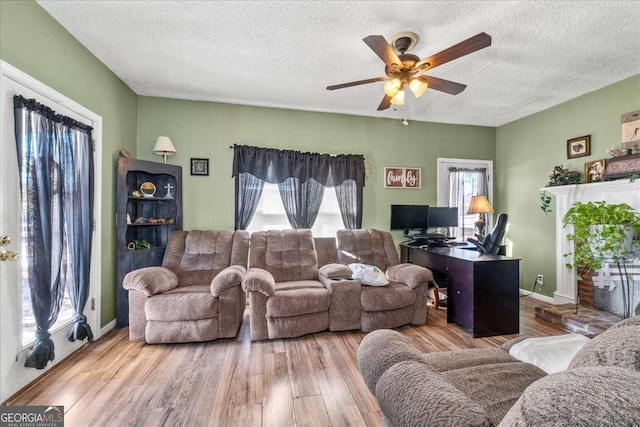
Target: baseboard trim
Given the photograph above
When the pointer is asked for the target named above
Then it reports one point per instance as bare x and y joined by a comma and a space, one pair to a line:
537, 296
109, 326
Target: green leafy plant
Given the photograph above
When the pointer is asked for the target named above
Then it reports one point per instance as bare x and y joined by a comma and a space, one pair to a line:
599, 232
139, 245
545, 202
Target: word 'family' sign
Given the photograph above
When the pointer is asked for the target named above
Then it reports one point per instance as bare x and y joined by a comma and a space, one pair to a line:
401, 177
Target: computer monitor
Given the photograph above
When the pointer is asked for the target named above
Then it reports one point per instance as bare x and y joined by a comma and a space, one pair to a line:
443, 217
409, 217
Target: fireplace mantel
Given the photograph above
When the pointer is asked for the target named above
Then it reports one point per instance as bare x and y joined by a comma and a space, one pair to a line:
621, 191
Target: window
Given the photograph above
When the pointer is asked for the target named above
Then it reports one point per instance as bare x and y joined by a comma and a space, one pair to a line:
458, 181
270, 214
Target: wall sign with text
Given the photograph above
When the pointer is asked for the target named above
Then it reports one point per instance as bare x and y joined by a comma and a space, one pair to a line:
402, 177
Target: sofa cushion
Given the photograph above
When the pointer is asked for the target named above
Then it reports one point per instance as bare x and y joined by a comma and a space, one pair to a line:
410, 394
298, 284
443, 361
495, 387
185, 305
286, 254
614, 347
393, 296
335, 271
294, 302
598, 396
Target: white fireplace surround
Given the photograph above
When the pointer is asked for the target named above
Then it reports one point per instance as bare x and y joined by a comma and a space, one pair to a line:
621, 191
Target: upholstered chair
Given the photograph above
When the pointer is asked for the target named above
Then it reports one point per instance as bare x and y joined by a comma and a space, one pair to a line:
404, 300
288, 297
196, 295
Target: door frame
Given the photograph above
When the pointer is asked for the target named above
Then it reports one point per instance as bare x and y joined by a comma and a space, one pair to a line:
51, 96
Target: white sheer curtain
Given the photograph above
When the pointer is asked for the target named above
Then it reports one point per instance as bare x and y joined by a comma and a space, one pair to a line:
463, 184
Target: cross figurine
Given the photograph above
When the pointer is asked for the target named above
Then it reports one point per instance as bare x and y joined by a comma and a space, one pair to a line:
168, 195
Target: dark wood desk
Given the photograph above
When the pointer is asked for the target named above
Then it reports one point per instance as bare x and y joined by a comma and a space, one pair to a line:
482, 290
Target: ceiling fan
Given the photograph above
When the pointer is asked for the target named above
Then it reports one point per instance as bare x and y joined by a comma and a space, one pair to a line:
401, 68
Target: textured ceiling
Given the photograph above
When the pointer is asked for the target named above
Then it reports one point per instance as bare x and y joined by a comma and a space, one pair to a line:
284, 54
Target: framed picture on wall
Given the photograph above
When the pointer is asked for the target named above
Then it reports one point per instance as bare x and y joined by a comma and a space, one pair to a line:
199, 166
400, 177
579, 147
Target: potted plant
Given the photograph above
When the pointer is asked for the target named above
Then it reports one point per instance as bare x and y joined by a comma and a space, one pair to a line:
601, 232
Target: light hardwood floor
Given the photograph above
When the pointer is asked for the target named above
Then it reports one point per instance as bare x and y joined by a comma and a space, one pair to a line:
307, 381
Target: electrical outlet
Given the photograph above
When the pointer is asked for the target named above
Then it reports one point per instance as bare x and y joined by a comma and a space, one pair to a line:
540, 280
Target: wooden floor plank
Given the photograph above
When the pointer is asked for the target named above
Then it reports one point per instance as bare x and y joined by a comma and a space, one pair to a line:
310, 412
311, 380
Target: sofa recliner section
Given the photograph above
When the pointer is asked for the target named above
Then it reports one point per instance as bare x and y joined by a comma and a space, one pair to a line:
196, 294
404, 300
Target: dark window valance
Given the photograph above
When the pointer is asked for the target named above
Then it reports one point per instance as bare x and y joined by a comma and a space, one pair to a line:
275, 166
32, 105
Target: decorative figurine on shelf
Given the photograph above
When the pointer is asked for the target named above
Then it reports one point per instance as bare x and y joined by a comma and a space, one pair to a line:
168, 195
128, 219
136, 193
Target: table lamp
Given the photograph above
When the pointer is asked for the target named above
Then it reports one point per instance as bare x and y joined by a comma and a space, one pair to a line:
164, 147
481, 206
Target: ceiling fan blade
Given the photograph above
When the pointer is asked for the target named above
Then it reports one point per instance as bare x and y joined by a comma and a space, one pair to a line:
446, 86
379, 45
385, 103
359, 82
470, 45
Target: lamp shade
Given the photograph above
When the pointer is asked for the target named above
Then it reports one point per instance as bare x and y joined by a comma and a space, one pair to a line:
164, 147
418, 87
398, 99
392, 87
479, 205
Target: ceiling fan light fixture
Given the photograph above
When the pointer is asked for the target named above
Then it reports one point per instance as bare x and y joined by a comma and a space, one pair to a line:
392, 87
398, 99
418, 87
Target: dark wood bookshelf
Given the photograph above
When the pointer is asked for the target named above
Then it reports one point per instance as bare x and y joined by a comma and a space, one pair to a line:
131, 174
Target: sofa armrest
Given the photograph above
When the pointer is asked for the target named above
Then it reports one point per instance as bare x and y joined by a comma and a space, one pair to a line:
410, 274
227, 278
259, 280
334, 271
411, 394
380, 350
150, 280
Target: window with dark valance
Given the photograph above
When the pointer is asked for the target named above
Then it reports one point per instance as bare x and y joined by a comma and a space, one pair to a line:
301, 179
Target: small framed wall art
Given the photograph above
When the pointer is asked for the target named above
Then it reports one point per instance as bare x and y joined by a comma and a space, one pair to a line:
395, 177
579, 147
199, 166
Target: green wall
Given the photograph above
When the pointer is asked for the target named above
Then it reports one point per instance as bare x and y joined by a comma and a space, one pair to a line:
31, 40
206, 129
529, 148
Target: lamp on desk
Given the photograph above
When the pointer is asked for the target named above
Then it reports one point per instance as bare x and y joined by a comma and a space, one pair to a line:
481, 206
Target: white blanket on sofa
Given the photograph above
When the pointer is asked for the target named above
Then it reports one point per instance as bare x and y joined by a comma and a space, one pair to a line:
551, 354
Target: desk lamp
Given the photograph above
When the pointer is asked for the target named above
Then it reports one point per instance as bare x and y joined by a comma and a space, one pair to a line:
480, 205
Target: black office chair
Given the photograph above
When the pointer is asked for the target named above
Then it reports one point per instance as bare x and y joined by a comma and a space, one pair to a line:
491, 243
